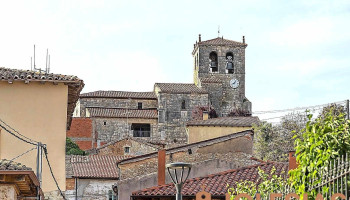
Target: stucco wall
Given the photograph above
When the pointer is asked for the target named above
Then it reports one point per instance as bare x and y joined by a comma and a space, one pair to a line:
7, 192
200, 133
38, 111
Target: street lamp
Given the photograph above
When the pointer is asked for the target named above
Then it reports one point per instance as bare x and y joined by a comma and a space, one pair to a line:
179, 181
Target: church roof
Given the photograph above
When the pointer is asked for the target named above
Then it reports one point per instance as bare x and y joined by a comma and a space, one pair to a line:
180, 88
226, 121
123, 113
221, 41
119, 94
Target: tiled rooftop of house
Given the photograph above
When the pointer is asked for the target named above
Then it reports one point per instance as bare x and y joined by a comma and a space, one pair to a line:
75, 85
119, 94
215, 184
226, 121
221, 41
123, 113
12, 75
96, 166
182, 88
10, 165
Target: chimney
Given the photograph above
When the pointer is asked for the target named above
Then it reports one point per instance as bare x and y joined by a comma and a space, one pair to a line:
205, 115
200, 38
292, 160
161, 166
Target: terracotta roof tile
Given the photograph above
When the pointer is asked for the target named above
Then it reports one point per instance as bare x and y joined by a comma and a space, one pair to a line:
123, 113
10, 165
75, 85
221, 41
182, 88
96, 166
215, 184
226, 121
119, 94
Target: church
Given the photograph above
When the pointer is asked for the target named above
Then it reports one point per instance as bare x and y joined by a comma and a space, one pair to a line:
161, 115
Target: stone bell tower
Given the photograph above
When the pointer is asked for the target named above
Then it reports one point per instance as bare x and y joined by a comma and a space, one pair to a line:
219, 66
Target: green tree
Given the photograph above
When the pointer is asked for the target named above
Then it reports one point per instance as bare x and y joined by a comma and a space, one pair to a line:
272, 142
323, 140
266, 184
72, 148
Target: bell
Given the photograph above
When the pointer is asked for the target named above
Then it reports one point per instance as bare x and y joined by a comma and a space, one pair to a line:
229, 66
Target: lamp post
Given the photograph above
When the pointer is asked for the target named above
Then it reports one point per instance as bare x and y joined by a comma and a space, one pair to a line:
179, 181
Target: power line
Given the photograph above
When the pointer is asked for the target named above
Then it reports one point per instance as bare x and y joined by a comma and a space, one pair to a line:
17, 131
297, 108
18, 137
53, 176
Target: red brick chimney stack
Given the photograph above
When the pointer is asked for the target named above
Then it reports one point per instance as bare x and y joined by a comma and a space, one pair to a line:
292, 160
161, 166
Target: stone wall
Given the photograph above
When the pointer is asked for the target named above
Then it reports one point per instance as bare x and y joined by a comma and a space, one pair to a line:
203, 166
191, 155
120, 128
91, 189
174, 125
115, 103
230, 97
118, 148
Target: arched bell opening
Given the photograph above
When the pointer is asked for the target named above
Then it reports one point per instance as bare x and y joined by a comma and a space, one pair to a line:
213, 61
229, 63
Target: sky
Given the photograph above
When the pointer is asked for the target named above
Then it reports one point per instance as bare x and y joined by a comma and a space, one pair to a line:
298, 52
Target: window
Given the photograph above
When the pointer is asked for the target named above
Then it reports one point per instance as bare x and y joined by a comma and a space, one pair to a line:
139, 105
141, 130
104, 123
213, 62
112, 195
126, 149
229, 63
183, 105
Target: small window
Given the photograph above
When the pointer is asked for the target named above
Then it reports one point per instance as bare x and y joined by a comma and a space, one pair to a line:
127, 149
139, 105
183, 105
104, 123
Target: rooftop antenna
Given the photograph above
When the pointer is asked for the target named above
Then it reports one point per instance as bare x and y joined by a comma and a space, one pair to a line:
47, 54
219, 31
34, 56
47, 69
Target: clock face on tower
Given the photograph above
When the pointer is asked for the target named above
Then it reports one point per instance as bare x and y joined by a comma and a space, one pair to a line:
234, 83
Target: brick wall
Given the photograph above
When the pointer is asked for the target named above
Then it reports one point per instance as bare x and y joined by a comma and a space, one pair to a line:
70, 183
81, 132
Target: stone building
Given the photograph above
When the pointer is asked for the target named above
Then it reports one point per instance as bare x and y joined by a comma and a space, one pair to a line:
161, 115
210, 156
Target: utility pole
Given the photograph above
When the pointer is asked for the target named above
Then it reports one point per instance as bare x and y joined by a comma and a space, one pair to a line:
347, 109
39, 165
